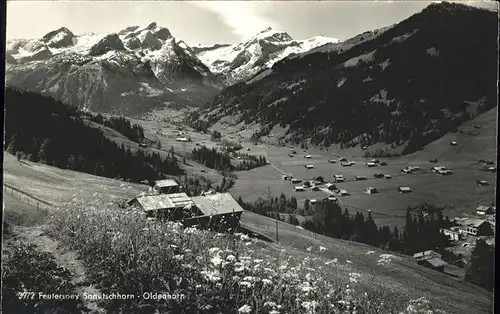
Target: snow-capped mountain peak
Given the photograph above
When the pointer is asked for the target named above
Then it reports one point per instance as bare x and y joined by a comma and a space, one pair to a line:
240, 61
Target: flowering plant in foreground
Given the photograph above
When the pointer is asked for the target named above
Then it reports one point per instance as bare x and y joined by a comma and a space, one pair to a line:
125, 252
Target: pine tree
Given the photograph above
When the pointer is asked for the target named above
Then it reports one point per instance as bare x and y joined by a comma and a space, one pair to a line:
13, 145
481, 268
44, 153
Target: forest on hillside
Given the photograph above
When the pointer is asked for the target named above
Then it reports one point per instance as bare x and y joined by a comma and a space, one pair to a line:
44, 130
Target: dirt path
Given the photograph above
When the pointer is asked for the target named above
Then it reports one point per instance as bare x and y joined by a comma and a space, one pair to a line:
64, 258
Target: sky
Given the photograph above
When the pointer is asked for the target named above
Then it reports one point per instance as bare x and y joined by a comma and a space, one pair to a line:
212, 22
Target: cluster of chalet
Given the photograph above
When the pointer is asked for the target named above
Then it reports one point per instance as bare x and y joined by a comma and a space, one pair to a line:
207, 210
430, 259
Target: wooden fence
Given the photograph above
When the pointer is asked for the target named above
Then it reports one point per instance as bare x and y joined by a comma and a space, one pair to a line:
25, 197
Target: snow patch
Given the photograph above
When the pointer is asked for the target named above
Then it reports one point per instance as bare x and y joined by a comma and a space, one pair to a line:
368, 79
367, 57
296, 84
404, 37
341, 82
381, 97
385, 64
432, 52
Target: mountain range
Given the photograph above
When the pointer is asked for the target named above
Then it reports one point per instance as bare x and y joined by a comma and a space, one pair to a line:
404, 85
139, 69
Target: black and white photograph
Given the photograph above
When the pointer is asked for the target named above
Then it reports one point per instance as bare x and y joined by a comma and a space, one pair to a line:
249, 157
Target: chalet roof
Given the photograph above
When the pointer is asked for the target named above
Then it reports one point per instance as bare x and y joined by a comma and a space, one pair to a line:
165, 183
426, 254
164, 201
217, 204
436, 262
485, 207
404, 188
475, 222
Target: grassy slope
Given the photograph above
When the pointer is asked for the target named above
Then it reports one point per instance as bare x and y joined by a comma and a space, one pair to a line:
402, 276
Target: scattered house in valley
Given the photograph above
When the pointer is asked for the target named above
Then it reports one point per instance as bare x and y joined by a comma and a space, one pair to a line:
404, 189
378, 175
359, 178
346, 163
445, 172
453, 143
295, 180
371, 190
219, 209
405, 171
371, 164
430, 259
319, 180
285, 177
453, 235
308, 156
166, 186
485, 210
375, 161
332, 161
181, 139
339, 178
143, 145
438, 168
330, 186
309, 166
290, 155
342, 159
344, 193
312, 201
299, 188
492, 169
315, 188
307, 184
414, 168
332, 198
482, 182
433, 160
387, 176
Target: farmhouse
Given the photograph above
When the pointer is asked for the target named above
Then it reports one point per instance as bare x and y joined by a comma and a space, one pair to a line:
332, 161
167, 186
307, 184
181, 139
176, 206
371, 164
346, 163
309, 166
344, 192
477, 227
299, 188
405, 170
285, 177
378, 175
451, 234
387, 176
482, 182
219, 209
143, 145
453, 143
371, 190
308, 156
375, 161
485, 210
404, 189
342, 159
315, 188
312, 202
295, 180
359, 178
421, 256
438, 168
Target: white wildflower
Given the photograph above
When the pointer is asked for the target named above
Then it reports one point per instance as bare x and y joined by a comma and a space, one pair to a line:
231, 258
245, 284
322, 249
245, 309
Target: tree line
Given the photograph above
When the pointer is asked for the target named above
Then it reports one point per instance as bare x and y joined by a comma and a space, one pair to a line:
133, 132
44, 130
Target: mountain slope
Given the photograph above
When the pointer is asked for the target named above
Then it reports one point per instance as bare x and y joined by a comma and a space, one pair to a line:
241, 61
406, 84
128, 72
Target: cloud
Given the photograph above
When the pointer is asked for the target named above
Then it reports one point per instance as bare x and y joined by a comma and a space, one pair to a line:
245, 19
